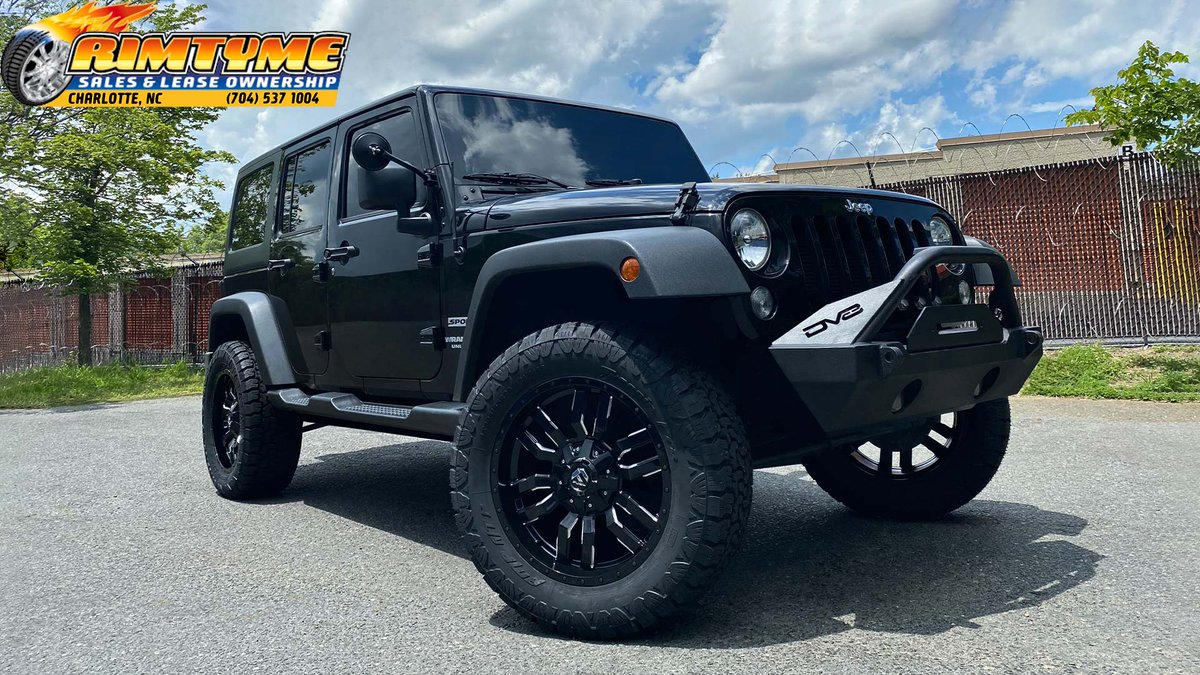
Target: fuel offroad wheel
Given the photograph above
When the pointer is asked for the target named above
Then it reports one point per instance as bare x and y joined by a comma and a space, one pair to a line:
251, 448
34, 66
923, 472
599, 482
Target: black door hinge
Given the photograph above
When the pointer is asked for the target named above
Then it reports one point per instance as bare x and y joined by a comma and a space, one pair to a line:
320, 272
689, 196
429, 255
323, 341
281, 264
434, 336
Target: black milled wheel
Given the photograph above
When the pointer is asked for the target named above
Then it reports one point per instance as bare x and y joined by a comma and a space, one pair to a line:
600, 482
251, 448
922, 473
33, 66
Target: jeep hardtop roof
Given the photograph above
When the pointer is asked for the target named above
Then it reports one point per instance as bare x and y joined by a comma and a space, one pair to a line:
433, 89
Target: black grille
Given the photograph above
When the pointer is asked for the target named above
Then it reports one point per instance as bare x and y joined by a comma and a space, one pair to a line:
844, 255
835, 253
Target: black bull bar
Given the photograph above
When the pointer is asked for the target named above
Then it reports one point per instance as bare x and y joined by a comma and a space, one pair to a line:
954, 356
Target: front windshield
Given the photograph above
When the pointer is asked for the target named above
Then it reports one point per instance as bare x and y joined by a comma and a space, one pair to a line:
566, 143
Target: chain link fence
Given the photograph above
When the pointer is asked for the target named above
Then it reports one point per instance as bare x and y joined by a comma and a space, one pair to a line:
1106, 249
153, 320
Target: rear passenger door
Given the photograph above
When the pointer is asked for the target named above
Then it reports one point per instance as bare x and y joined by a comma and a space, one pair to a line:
298, 244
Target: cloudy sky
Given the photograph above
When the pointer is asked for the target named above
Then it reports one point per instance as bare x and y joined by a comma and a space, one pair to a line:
744, 78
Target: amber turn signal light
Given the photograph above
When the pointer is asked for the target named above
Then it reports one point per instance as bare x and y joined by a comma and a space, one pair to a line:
630, 269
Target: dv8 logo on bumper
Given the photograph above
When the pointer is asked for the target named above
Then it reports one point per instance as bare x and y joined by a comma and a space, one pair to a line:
824, 324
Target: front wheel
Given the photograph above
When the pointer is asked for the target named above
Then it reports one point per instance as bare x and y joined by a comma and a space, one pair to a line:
924, 472
600, 482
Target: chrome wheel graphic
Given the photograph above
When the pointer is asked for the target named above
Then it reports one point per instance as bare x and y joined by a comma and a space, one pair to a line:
44, 73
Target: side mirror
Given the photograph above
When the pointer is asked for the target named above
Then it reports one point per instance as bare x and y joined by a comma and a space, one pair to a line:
371, 151
387, 189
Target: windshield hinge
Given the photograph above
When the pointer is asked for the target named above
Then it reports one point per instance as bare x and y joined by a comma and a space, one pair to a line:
429, 255
689, 196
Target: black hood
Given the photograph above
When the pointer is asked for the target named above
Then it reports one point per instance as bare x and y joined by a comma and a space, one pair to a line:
650, 200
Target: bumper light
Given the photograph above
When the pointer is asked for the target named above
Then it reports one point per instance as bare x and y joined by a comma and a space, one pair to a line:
763, 303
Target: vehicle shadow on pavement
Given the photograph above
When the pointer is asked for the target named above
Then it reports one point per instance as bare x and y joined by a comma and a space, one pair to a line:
401, 489
809, 566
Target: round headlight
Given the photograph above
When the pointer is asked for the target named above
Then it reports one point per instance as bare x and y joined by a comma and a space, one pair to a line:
751, 238
939, 232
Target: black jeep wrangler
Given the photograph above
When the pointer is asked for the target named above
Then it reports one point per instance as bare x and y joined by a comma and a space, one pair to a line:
611, 342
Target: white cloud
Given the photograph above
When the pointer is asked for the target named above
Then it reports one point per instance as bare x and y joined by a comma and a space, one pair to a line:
816, 59
1061, 108
983, 93
741, 77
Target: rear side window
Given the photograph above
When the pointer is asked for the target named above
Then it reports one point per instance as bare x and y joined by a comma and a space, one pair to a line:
250, 209
401, 133
306, 189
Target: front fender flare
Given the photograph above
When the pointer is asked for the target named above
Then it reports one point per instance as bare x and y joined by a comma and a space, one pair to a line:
676, 262
260, 314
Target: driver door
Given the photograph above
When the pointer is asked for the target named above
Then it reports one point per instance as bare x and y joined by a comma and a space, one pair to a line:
380, 299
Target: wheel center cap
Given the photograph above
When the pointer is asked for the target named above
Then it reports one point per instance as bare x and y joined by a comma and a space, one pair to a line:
581, 479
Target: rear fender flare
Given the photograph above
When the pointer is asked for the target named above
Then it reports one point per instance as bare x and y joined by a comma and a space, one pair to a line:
261, 315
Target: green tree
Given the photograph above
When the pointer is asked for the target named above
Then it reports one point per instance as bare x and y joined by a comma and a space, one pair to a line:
95, 195
208, 236
1150, 106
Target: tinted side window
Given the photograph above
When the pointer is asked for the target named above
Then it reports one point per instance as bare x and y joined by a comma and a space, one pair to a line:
306, 189
250, 209
401, 133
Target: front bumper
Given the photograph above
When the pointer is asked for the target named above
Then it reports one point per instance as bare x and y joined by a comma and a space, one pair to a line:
850, 381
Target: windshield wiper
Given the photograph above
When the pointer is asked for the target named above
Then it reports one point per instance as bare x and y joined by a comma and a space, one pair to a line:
610, 182
515, 179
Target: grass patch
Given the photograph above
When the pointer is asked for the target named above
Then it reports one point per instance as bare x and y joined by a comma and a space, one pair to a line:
76, 385
1091, 371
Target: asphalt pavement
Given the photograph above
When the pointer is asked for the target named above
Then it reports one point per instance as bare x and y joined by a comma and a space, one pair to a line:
117, 556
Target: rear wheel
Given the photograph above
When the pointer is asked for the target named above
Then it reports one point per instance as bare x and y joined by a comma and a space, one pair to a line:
927, 471
251, 448
600, 482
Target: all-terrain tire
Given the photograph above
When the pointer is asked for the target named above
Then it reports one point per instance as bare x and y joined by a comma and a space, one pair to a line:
709, 480
978, 447
13, 63
267, 440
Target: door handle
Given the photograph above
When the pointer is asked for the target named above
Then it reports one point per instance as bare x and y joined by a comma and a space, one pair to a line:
341, 253
283, 264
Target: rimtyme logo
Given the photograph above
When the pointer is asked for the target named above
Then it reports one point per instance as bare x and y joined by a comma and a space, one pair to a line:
85, 57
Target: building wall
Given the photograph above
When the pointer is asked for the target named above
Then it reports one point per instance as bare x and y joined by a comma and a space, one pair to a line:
954, 156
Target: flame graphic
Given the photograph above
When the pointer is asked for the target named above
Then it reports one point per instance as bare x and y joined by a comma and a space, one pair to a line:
88, 18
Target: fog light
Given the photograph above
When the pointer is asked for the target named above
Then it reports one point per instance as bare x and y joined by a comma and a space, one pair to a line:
965, 294
763, 303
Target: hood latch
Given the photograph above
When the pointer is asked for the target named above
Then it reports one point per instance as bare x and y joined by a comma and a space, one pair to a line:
689, 196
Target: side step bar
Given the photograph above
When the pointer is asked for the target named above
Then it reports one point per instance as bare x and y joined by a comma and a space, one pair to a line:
431, 420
